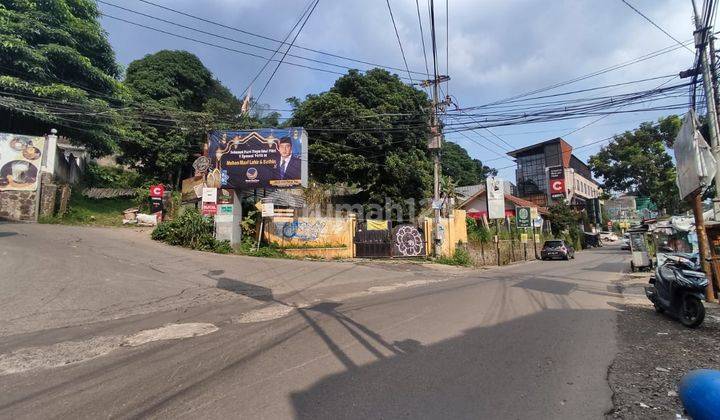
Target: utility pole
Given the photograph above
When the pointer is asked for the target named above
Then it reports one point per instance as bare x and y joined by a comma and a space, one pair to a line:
435, 143
701, 35
702, 42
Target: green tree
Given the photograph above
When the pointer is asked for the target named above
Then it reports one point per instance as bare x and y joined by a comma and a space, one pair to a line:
465, 170
179, 100
56, 66
562, 217
637, 162
370, 131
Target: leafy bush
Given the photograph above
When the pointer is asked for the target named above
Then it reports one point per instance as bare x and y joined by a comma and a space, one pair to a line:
110, 177
460, 257
191, 230
248, 246
476, 231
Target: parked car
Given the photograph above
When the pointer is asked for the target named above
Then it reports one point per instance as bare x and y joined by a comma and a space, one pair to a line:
625, 242
557, 249
608, 236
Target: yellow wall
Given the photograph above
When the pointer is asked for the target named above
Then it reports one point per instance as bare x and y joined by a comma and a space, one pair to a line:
330, 232
454, 231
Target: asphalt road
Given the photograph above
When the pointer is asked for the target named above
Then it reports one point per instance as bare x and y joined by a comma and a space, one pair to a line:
316, 340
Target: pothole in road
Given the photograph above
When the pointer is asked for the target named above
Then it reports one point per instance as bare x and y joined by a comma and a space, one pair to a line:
267, 313
170, 332
71, 352
57, 355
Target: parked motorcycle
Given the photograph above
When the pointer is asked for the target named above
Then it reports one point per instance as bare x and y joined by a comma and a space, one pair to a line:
678, 288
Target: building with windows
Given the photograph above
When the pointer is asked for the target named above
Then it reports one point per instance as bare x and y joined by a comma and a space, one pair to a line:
548, 171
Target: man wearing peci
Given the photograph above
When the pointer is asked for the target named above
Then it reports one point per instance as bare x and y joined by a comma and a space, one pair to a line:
288, 165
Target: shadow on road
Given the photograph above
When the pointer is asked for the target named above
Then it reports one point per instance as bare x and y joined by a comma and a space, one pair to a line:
5, 234
236, 286
484, 373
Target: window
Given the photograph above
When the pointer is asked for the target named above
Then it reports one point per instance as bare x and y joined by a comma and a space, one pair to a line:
531, 175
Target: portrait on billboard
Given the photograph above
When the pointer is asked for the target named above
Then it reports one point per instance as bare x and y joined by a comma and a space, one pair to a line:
260, 158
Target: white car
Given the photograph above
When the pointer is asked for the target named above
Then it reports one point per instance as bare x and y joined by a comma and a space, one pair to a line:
608, 236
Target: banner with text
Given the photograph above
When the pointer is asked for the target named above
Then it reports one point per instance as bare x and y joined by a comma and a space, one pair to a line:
260, 158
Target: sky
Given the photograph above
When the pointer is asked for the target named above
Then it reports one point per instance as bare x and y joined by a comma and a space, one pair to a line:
496, 49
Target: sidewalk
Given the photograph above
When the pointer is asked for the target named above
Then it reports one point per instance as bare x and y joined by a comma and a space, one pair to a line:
655, 352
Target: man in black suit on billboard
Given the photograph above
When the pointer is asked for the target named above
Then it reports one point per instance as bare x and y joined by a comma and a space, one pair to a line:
288, 165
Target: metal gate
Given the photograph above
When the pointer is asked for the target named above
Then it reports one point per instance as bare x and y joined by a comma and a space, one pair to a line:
404, 240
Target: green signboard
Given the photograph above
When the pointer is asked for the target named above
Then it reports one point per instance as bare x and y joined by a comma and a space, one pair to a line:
522, 217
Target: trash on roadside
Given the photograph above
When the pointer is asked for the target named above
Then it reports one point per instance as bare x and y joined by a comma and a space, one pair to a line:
130, 214
662, 369
147, 219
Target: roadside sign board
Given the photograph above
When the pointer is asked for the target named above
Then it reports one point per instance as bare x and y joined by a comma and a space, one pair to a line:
157, 190
495, 197
225, 209
268, 209
524, 238
225, 196
522, 217
209, 209
209, 195
537, 238
556, 175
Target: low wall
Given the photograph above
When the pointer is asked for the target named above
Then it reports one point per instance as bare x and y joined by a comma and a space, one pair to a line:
18, 205
325, 237
510, 252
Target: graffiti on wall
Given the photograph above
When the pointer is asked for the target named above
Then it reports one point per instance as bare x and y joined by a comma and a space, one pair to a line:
409, 241
302, 230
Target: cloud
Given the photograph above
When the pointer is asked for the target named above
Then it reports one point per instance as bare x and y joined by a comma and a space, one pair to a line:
497, 48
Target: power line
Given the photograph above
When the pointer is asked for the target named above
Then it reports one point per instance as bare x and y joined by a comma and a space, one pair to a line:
286, 52
225, 37
422, 38
590, 75
217, 45
212, 22
447, 44
262, 69
657, 26
397, 34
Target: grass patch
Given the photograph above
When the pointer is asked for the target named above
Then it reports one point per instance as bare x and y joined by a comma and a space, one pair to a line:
92, 212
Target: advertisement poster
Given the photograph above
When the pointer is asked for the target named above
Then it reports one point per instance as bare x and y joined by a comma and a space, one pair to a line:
523, 217
556, 174
261, 158
20, 162
495, 198
192, 188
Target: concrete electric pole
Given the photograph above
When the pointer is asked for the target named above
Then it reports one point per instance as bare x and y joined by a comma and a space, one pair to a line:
435, 143
702, 35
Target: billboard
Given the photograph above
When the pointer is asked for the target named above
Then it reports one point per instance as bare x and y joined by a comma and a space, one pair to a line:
495, 189
260, 158
556, 174
20, 162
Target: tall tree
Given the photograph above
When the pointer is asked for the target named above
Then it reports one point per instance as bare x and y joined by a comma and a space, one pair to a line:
369, 130
57, 69
637, 162
464, 170
179, 100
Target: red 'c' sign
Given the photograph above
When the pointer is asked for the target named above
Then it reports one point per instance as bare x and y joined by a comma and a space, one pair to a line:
157, 190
